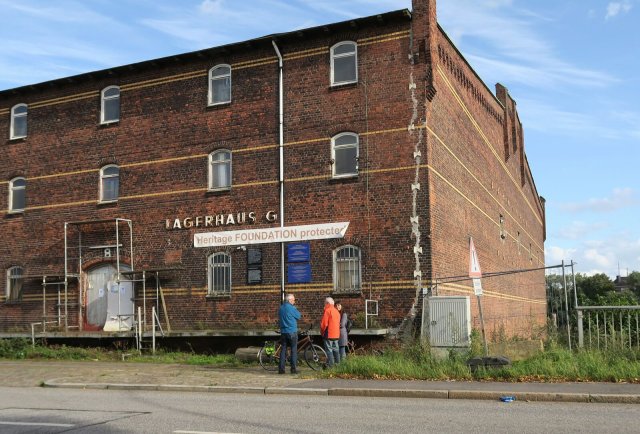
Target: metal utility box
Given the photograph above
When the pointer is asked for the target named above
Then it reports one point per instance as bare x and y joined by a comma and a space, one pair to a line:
450, 321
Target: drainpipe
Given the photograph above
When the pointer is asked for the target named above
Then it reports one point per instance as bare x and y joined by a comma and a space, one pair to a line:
281, 152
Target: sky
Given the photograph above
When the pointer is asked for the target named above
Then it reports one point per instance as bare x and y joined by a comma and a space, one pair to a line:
571, 65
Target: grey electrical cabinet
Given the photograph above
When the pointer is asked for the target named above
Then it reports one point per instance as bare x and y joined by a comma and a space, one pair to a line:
449, 324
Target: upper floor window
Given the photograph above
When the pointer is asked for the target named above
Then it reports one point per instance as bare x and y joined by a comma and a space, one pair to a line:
18, 121
344, 155
219, 273
220, 84
110, 107
14, 283
220, 170
346, 269
344, 63
109, 183
17, 195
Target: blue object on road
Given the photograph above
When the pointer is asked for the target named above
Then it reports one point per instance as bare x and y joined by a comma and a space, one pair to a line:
507, 398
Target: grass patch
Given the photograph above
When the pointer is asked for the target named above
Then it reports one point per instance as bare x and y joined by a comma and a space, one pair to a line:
21, 349
555, 365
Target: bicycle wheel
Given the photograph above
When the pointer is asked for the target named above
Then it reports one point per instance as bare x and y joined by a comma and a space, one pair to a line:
315, 357
269, 357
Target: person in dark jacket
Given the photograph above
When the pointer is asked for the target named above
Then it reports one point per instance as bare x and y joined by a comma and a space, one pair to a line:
343, 341
289, 317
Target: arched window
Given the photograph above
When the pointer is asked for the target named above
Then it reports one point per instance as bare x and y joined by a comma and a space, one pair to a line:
344, 155
14, 283
18, 128
17, 195
109, 183
110, 106
219, 273
220, 170
346, 269
220, 84
344, 63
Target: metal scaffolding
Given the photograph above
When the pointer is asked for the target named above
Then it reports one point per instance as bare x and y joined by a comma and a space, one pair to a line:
75, 272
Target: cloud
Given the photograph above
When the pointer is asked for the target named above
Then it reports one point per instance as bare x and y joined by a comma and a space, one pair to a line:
599, 256
579, 229
540, 116
620, 198
616, 8
512, 35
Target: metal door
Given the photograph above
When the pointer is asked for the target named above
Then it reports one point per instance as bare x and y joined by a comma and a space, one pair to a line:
108, 305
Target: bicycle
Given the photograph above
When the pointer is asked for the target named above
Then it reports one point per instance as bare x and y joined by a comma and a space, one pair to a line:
314, 355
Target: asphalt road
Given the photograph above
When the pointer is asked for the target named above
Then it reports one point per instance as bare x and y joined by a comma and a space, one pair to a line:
42, 410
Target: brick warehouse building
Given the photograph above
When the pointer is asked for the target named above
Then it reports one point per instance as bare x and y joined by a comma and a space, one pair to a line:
354, 159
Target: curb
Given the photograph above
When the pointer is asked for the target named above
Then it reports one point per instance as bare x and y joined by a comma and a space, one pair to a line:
599, 398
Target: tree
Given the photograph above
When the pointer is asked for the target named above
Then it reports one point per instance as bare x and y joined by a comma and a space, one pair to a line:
633, 280
594, 286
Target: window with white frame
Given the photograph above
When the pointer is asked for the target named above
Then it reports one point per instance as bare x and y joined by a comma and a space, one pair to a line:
344, 63
17, 195
18, 127
14, 283
219, 273
344, 155
346, 269
109, 183
110, 106
220, 170
220, 84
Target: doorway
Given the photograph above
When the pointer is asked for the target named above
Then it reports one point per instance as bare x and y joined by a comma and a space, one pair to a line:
108, 304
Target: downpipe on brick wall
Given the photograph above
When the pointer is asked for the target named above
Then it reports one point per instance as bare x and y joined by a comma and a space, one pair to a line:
281, 155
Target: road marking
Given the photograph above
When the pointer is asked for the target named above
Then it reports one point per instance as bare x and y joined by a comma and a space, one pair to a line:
200, 432
64, 425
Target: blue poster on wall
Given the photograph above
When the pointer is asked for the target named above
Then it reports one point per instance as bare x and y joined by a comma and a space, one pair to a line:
298, 252
299, 273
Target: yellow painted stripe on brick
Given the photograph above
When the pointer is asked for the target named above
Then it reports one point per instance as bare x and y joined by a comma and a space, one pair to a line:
253, 65
391, 130
388, 35
497, 223
251, 62
306, 53
165, 160
483, 186
199, 73
487, 142
90, 94
255, 148
5, 111
176, 77
382, 40
54, 175
469, 290
304, 142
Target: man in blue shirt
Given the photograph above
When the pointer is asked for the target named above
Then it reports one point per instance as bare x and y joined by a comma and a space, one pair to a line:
289, 317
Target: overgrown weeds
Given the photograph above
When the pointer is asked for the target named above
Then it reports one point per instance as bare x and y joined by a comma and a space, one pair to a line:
416, 362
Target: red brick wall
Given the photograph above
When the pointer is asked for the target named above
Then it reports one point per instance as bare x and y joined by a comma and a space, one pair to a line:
166, 131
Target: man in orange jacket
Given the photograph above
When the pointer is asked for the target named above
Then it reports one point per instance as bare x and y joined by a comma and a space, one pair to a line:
330, 329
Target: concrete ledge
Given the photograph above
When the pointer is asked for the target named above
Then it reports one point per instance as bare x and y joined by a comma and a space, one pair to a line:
294, 391
75, 385
390, 393
132, 387
553, 397
236, 389
365, 392
479, 394
602, 398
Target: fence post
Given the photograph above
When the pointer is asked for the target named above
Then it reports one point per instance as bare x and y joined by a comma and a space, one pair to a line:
578, 311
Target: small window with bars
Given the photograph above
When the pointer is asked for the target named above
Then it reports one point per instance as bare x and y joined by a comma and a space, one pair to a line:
346, 269
220, 274
15, 278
